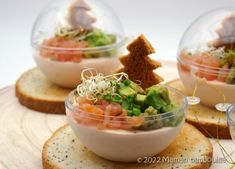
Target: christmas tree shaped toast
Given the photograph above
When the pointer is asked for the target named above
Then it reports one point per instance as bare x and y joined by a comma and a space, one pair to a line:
138, 65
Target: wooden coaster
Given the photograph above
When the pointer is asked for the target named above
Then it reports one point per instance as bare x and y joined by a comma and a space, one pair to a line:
64, 151
36, 92
208, 120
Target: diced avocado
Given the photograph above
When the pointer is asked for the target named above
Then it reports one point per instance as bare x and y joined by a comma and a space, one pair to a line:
231, 76
133, 105
229, 58
150, 111
162, 91
140, 99
168, 108
136, 87
126, 91
98, 38
155, 100
129, 112
130, 98
136, 112
127, 102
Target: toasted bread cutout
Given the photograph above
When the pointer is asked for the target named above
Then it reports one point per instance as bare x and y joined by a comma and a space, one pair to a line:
138, 65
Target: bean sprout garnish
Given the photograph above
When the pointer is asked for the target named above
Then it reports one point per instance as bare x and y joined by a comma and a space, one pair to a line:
216, 52
95, 85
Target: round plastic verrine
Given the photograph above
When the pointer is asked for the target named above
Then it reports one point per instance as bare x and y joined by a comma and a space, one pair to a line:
231, 120
203, 33
176, 96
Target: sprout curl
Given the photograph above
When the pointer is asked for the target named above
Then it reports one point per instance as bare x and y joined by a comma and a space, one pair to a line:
95, 86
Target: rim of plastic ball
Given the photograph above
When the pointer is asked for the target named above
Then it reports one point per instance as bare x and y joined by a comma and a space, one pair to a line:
117, 45
208, 69
229, 112
183, 107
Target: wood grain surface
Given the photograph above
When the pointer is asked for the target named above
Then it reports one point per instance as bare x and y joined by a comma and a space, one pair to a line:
24, 131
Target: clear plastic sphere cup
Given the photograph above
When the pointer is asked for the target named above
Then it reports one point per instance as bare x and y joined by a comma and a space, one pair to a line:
231, 120
125, 138
70, 35
206, 58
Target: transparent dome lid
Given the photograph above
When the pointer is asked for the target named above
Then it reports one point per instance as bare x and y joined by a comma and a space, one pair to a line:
212, 29
68, 17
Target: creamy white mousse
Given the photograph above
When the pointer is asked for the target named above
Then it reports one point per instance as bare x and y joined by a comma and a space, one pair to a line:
123, 145
68, 74
210, 92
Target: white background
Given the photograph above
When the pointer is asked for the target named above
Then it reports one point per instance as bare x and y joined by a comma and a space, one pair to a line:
162, 21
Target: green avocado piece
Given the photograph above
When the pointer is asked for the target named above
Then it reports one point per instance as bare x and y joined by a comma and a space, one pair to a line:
150, 111
127, 102
99, 38
168, 108
229, 58
126, 91
155, 100
162, 91
136, 87
231, 76
140, 99
136, 111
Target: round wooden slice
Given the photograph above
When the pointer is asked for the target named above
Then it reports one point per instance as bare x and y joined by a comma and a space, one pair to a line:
64, 151
36, 92
209, 121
